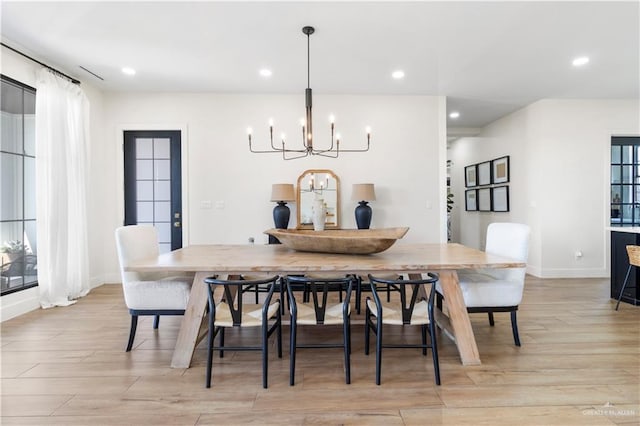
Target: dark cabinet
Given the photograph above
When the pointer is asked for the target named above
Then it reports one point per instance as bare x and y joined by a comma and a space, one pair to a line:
620, 264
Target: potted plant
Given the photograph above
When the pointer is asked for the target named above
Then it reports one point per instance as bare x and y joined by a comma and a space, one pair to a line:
12, 250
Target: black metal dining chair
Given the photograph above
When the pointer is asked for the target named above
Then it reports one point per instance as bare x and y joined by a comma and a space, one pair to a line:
231, 311
318, 310
408, 309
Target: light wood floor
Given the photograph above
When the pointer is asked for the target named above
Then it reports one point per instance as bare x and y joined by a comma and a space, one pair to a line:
579, 364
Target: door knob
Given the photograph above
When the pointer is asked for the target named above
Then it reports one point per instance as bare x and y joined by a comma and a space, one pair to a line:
176, 224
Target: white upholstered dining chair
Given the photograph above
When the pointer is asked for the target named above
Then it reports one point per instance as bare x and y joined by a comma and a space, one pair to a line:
148, 293
498, 290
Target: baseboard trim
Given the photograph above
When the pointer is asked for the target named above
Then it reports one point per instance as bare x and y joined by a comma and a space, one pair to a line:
575, 273
19, 303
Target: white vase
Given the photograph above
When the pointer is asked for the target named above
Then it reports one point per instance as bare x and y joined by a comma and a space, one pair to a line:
319, 215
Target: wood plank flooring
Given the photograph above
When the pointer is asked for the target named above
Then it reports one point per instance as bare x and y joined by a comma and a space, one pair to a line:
579, 364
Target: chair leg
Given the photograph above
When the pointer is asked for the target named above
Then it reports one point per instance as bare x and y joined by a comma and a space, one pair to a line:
514, 327
367, 330
424, 339
132, 332
491, 322
347, 351
156, 322
222, 342
378, 351
265, 355
210, 338
434, 350
358, 294
279, 334
626, 278
292, 353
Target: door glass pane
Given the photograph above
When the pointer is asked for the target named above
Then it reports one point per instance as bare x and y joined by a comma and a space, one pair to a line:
144, 169
627, 174
627, 154
10, 187
164, 232
144, 190
162, 148
162, 211
145, 211
162, 190
144, 148
162, 169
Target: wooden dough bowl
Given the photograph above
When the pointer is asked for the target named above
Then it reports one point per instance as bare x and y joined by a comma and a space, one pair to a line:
344, 241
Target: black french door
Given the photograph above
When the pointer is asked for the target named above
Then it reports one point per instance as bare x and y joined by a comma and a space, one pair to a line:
153, 184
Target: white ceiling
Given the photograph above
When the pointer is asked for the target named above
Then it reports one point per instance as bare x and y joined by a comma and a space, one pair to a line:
488, 58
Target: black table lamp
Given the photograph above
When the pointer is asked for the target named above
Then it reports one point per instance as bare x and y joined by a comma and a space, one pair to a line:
363, 193
281, 193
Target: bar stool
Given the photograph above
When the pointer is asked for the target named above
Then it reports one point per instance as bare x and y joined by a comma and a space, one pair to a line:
634, 260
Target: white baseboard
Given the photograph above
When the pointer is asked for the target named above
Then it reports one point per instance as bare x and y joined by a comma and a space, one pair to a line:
15, 304
576, 273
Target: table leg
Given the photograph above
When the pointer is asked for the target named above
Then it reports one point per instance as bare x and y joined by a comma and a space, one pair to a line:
190, 326
459, 318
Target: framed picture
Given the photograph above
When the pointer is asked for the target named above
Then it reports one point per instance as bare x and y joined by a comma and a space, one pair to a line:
484, 173
500, 198
484, 199
470, 176
500, 170
470, 202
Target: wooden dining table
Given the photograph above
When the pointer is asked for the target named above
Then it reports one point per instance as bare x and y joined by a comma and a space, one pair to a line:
411, 259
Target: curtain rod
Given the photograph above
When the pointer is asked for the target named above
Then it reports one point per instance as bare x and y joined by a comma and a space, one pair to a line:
71, 79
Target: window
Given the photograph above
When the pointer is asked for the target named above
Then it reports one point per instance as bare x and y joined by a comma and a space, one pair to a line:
18, 242
625, 181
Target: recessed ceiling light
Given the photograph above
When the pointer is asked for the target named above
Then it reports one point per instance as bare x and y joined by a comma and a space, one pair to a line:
128, 71
398, 74
454, 114
582, 60
265, 72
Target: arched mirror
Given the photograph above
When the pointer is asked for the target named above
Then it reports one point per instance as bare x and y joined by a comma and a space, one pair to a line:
316, 185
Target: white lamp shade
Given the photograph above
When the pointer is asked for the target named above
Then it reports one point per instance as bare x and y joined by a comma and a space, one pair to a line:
363, 192
282, 192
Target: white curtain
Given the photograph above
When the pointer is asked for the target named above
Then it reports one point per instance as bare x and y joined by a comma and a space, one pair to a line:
62, 143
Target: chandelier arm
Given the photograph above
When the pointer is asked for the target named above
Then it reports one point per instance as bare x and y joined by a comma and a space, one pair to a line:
306, 153
322, 154
274, 150
271, 138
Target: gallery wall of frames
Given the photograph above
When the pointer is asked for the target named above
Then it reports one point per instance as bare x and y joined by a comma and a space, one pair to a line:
486, 186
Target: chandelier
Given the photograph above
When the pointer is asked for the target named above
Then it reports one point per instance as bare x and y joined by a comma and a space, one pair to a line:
307, 128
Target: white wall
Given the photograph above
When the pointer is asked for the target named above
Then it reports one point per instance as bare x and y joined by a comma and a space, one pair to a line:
559, 180
23, 70
406, 159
